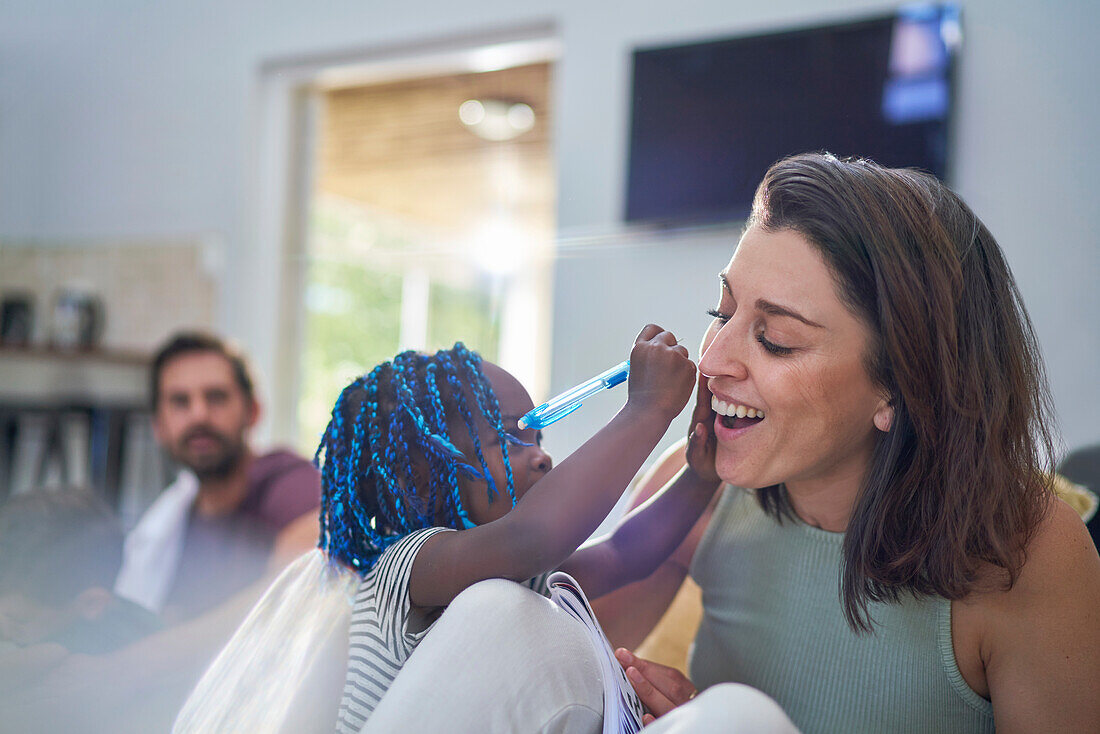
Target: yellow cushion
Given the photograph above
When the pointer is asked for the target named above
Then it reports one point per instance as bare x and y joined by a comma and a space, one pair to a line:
671, 639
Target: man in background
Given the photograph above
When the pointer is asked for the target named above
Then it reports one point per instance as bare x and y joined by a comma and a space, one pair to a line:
232, 514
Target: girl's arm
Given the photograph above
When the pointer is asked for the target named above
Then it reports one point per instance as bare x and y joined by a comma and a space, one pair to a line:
630, 613
645, 539
563, 508
649, 535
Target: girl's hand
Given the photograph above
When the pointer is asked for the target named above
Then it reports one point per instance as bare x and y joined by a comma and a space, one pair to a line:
661, 373
660, 687
702, 443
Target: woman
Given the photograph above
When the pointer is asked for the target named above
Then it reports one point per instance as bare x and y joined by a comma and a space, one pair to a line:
901, 461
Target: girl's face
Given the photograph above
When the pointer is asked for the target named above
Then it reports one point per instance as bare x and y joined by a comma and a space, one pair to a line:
529, 463
788, 348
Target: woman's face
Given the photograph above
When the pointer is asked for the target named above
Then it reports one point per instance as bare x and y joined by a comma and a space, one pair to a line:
788, 349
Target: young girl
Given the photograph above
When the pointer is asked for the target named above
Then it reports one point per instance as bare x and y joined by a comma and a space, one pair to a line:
426, 445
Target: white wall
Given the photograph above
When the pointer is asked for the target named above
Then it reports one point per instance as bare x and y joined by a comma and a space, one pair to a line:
128, 118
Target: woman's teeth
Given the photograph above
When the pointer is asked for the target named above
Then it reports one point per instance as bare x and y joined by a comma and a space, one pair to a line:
733, 410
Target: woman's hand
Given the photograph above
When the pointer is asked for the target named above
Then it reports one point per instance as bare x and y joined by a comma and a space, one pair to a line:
660, 687
702, 443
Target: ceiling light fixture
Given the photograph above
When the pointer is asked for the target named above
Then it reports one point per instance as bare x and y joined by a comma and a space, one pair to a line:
496, 119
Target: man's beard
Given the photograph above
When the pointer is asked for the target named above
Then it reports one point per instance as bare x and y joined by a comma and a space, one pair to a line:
216, 464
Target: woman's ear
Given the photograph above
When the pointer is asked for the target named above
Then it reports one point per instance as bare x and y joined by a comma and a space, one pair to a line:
884, 416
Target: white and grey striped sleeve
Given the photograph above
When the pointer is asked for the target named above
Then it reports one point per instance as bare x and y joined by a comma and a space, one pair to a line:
538, 584
380, 640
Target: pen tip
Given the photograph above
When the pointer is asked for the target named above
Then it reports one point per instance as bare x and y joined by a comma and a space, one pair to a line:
522, 424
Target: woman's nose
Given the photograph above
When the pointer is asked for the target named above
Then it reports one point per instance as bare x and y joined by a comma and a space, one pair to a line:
724, 355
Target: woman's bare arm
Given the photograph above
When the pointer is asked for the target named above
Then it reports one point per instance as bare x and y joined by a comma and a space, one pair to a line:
628, 614
1040, 641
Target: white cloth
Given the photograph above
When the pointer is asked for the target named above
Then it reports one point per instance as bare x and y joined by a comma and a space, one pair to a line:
152, 551
501, 658
282, 669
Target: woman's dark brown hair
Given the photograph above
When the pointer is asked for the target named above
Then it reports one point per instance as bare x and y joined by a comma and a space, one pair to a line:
959, 483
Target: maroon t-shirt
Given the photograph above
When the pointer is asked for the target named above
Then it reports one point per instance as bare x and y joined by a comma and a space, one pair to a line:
224, 554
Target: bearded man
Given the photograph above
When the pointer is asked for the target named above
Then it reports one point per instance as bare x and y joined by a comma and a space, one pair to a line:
232, 515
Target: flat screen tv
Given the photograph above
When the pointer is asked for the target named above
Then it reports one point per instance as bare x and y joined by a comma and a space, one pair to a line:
709, 118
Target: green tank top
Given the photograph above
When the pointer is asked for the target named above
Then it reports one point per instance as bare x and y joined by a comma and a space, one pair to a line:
772, 619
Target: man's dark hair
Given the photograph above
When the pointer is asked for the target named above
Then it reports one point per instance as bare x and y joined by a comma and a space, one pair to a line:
188, 342
56, 544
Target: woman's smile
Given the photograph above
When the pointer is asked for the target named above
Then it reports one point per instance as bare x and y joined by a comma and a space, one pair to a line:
733, 418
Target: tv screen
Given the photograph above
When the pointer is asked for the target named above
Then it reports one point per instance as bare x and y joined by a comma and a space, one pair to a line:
709, 118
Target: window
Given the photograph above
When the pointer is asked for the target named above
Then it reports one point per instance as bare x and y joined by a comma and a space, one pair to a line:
421, 233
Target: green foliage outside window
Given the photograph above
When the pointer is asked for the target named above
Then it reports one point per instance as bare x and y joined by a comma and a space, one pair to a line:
353, 315
352, 323
465, 315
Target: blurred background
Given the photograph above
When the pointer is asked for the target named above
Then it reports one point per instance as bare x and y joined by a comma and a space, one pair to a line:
330, 183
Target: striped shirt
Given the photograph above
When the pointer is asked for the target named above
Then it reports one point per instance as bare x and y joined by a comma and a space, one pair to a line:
386, 628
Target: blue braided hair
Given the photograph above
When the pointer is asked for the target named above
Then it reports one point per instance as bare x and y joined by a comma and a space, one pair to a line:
388, 429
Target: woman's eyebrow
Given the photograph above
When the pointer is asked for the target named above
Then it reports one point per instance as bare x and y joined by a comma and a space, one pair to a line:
774, 309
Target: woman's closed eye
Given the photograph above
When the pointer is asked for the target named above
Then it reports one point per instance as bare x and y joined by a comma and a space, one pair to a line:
772, 347
768, 345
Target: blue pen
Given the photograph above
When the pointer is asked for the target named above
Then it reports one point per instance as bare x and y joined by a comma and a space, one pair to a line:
557, 408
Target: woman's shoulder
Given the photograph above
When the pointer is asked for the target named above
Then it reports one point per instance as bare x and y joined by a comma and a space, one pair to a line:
1059, 556
1059, 560
1040, 635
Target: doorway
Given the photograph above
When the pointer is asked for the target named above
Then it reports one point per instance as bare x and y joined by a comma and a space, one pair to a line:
429, 219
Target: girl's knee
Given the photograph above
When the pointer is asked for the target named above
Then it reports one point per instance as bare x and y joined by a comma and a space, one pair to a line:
751, 709
493, 596
510, 614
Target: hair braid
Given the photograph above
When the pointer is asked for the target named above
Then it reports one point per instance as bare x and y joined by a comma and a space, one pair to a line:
454, 380
444, 474
490, 409
473, 376
380, 474
347, 530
